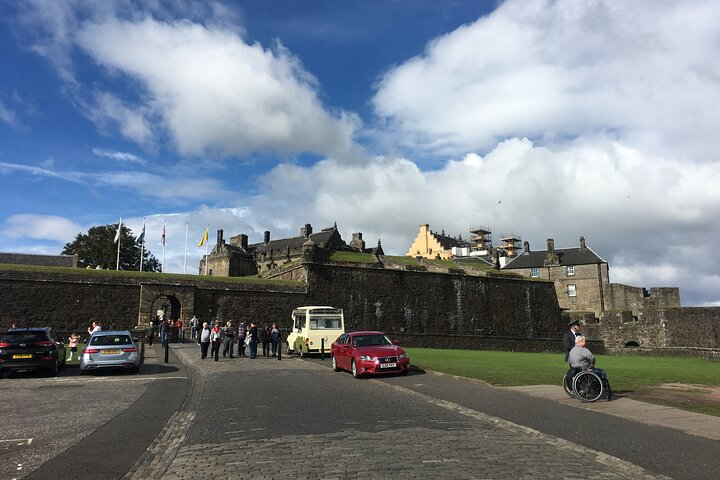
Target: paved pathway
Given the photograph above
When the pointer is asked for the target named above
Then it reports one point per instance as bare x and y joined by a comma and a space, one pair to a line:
300, 421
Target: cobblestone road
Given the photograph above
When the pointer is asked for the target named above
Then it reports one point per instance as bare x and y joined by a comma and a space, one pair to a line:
293, 419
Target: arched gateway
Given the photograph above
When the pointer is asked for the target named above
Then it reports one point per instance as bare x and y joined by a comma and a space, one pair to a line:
175, 300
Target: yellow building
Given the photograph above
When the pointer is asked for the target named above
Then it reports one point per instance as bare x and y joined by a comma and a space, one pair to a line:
432, 245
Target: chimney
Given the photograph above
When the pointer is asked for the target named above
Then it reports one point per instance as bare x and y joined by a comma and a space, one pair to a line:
266, 237
220, 236
306, 231
551, 257
526, 246
582, 244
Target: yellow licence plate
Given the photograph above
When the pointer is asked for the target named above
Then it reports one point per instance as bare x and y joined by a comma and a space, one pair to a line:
110, 352
24, 355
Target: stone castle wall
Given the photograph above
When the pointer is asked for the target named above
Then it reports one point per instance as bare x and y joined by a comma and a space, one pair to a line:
625, 297
389, 300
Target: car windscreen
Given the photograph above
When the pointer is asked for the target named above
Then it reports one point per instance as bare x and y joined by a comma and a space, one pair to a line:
24, 337
324, 323
370, 340
100, 340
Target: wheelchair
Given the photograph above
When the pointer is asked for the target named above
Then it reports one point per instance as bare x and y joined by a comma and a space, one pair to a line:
584, 384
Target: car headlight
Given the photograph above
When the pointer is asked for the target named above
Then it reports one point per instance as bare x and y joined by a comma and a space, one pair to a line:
402, 355
366, 358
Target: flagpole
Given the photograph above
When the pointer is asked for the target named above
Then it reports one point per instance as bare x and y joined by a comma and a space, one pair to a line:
186, 235
163, 243
142, 246
207, 229
117, 267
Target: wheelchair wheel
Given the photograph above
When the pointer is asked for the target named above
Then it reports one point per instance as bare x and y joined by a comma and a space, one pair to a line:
587, 386
568, 384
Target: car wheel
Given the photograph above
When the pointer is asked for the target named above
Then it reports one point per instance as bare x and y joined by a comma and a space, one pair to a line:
303, 353
63, 365
52, 371
354, 369
83, 371
404, 372
288, 351
334, 364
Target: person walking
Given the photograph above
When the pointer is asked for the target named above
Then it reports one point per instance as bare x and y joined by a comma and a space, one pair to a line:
216, 341
194, 324
253, 333
165, 333
229, 341
274, 339
241, 334
150, 333
204, 340
266, 341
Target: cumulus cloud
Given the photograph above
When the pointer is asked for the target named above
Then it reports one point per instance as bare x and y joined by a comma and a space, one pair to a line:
41, 227
549, 70
213, 92
597, 188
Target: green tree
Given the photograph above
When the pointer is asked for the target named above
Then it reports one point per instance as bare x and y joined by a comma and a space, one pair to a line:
97, 248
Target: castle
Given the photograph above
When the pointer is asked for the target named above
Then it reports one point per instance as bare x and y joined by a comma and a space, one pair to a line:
239, 258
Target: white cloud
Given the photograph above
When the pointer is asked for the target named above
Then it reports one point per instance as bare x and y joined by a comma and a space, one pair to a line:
119, 156
213, 92
7, 115
636, 211
41, 227
556, 69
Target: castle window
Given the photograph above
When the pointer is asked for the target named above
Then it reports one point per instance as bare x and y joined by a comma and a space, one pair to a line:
535, 272
571, 270
571, 290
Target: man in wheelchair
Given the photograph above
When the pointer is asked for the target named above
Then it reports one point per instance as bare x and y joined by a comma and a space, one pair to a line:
581, 359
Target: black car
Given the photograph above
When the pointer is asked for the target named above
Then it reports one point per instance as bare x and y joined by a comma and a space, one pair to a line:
31, 349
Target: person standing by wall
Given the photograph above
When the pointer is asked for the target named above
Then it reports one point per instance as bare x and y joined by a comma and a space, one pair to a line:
253, 340
266, 341
73, 343
95, 327
229, 339
216, 341
204, 340
194, 324
241, 334
274, 339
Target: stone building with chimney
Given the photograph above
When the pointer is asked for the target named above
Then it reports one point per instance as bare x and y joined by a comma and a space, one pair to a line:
582, 280
241, 258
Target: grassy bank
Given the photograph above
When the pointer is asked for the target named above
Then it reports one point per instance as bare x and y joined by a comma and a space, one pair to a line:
627, 374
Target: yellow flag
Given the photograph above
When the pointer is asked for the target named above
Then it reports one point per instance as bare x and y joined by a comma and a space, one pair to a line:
204, 238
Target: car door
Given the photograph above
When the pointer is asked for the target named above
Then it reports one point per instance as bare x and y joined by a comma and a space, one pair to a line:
343, 360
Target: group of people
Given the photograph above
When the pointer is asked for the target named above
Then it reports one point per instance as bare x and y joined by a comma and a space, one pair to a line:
580, 357
163, 327
213, 336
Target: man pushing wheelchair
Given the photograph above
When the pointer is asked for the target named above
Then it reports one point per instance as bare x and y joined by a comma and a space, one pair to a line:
584, 375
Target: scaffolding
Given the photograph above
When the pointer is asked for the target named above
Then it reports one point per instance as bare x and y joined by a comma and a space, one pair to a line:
481, 238
510, 244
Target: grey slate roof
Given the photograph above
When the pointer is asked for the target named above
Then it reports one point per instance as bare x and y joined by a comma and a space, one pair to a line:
566, 256
321, 239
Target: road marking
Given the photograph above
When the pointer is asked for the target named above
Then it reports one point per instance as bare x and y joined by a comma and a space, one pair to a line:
119, 379
22, 441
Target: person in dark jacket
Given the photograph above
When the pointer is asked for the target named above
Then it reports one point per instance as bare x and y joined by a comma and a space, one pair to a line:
570, 335
216, 341
229, 341
253, 340
266, 341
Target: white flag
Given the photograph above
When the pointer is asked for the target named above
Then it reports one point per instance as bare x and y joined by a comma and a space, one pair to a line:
117, 235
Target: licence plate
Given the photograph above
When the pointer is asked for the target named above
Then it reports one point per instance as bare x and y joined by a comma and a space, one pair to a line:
110, 352
24, 355
388, 365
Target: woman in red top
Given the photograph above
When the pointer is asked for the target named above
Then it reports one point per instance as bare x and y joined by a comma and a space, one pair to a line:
216, 341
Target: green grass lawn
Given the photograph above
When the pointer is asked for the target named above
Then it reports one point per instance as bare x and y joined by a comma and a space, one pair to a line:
626, 373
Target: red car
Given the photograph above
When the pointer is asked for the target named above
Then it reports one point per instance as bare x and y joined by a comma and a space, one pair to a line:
368, 353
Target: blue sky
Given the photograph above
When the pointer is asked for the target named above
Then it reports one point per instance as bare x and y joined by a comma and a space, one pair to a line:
545, 119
